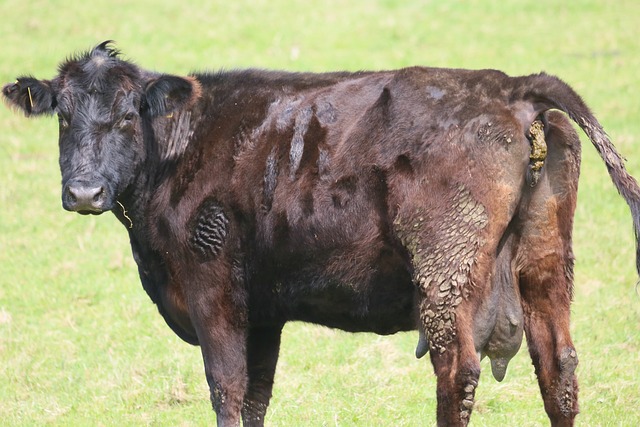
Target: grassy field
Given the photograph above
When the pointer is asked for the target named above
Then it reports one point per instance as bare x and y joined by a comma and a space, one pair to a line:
81, 343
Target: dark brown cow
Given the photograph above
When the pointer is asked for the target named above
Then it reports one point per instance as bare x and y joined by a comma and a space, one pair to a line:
431, 199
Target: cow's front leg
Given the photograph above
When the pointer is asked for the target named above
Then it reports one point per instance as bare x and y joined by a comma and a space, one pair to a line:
218, 312
226, 372
263, 346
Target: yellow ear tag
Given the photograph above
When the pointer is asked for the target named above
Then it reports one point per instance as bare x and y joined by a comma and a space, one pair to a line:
30, 98
170, 116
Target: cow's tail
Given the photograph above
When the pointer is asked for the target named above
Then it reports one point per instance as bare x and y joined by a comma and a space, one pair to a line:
546, 92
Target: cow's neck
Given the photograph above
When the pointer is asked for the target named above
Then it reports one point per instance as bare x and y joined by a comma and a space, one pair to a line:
130, 206
131, 210
166, 139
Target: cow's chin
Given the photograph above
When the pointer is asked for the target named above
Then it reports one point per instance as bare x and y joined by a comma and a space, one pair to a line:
90, 210
87, 212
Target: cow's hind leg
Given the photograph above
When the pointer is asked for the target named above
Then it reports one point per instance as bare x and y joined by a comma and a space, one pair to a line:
446, 254
458, 370
545, 301
447, 318
545, 263
263, 345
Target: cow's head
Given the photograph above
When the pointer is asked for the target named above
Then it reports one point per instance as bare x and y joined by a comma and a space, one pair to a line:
102, 103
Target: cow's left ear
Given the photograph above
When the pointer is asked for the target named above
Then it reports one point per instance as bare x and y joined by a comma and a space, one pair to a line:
166, 94
30, 95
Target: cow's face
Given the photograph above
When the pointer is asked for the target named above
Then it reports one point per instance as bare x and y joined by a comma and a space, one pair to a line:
103, 105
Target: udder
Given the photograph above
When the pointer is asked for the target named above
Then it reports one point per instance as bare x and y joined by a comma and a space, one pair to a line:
499, 323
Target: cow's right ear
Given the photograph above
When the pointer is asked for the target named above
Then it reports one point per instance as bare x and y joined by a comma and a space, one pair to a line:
30, 95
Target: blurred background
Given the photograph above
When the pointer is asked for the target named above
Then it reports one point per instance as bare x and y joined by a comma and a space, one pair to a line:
81, 343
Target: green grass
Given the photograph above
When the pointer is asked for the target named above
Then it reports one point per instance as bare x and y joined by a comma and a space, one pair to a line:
80, 342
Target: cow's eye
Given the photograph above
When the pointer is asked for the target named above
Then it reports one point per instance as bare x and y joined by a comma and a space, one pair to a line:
64, 123
127, 120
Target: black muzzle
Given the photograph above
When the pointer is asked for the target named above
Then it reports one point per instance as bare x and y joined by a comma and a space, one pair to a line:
85, 197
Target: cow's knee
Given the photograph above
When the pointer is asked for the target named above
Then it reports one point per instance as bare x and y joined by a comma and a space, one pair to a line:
218, 396
253, 413
226, 400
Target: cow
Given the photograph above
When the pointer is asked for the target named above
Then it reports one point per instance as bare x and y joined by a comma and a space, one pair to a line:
436, 200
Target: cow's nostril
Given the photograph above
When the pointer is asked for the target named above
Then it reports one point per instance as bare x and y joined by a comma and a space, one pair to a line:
72, 195
98, 194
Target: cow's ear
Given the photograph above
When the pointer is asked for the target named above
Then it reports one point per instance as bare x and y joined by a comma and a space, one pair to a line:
165, 94
30, 95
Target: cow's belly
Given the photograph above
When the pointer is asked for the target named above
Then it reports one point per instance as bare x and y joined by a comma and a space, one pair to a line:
370, 294
386, 308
